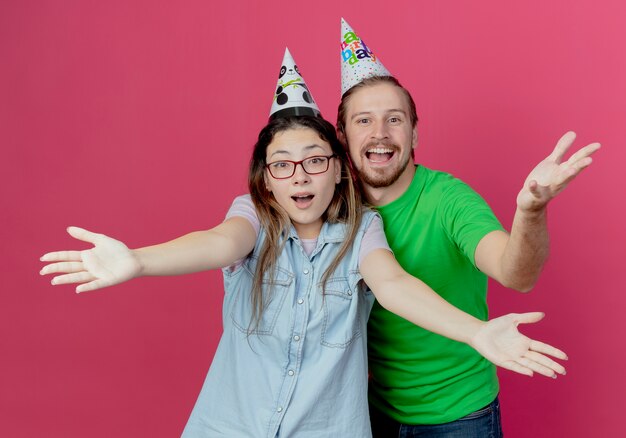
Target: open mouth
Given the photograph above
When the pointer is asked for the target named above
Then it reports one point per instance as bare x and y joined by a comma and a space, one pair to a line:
302, 200
379, 154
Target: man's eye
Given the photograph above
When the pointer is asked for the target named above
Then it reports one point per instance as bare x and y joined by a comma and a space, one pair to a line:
395, 119
363, 121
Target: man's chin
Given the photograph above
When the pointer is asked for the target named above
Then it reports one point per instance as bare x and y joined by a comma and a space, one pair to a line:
378, 178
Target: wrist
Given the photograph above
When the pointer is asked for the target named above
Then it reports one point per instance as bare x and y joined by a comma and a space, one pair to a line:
139, 256
532, 214
473, 331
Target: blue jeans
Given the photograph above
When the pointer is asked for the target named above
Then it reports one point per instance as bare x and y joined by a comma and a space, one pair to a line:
484, 423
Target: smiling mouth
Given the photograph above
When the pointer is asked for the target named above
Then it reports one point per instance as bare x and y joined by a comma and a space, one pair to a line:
379, 154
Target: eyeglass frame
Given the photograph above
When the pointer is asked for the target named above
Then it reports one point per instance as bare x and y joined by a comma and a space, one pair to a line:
295, 165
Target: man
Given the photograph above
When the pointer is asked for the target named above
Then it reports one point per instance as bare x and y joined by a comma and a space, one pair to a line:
443, 233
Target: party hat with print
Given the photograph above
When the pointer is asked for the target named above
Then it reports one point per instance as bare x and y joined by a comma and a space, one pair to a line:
358, 62
292, 96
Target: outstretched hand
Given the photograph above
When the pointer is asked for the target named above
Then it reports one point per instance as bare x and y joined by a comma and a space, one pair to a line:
501, 343
553, 174
109, 262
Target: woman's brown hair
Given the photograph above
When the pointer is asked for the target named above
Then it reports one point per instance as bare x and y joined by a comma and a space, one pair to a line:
345, 207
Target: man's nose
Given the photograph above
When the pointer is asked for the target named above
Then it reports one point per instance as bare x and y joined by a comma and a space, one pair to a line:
380, 131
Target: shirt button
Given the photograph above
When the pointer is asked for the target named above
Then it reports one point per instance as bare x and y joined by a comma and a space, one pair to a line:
291, 373
296, 338
306, 271
349, 292
300, 301
279, 409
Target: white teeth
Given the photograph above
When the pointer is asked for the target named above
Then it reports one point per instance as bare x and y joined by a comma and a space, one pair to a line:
380, 151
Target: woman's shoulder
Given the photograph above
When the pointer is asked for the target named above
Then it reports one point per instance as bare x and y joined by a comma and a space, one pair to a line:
369, 214
243, 206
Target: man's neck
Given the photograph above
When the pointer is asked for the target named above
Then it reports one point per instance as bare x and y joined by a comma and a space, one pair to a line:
384, 195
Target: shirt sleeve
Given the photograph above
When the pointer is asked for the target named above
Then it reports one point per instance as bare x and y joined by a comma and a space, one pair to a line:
374, 238
467, 218
243, 207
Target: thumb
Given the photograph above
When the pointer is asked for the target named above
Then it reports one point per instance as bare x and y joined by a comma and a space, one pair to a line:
82, 234
533, 186
529, 317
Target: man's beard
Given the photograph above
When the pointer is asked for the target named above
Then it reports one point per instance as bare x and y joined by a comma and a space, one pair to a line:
378, 178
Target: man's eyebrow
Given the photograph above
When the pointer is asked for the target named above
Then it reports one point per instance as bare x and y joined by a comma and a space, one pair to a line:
364, 113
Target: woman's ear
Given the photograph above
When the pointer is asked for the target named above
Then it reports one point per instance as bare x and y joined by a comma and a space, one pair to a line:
337, 171
266, 181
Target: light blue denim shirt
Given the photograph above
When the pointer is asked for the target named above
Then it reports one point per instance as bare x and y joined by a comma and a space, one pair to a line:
302, 372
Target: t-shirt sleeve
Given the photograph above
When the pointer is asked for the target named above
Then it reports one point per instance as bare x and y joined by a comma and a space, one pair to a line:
243, 207
467, 218
374, 238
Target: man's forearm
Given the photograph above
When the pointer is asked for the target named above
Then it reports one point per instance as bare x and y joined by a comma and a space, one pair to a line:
526, 251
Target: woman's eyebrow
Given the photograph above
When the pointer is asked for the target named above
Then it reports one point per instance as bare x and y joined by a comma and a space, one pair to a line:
306, 148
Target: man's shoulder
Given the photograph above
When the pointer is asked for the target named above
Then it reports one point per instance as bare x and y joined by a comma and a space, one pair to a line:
437, 175
438, 180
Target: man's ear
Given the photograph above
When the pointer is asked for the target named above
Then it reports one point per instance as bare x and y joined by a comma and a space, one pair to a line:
342, 137
414, 142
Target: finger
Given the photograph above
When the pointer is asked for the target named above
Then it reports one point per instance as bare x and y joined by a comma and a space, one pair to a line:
587, 151
77, 277
536, 367
529, 317
576, 163
92, 285
82, 234
516, 367
61, 256
67, 267
562, 146
545, 361
581, 164
540, 347
573, 170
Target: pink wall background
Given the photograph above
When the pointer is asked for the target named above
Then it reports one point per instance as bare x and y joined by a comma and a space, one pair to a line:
136, 119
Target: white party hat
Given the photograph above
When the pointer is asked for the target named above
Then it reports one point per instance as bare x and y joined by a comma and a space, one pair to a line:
358, 62
292, 96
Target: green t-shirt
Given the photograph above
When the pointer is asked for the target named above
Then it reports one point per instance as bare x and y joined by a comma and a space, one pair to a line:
419, 377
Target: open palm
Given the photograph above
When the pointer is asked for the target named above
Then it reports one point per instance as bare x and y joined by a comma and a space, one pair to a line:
500, 342
553, 174
109, 262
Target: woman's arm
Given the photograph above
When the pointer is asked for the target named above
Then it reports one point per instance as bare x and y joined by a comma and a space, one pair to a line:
498, 340
111, 262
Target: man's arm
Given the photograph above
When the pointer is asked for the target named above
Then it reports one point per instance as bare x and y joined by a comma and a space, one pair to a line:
516, 260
